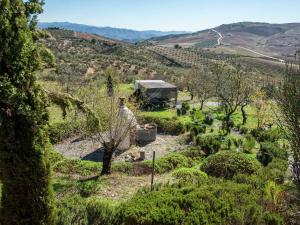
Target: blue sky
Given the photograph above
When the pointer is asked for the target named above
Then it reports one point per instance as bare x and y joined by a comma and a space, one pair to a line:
189, 15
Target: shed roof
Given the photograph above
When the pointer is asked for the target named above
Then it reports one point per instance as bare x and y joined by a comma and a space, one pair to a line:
155, 84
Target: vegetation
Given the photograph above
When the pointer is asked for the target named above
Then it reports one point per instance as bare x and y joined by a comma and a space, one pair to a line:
231, 164
25, 171
228, 163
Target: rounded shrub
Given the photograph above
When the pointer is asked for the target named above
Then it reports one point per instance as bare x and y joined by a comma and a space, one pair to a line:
268, 151
227, 203
229, 163
209, 143
189, 175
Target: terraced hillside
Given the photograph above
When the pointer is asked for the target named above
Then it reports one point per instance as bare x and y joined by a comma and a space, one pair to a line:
275, 40
83, 57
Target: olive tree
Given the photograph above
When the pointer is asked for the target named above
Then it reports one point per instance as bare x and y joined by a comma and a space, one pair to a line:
24, 169
202, 85
232, 88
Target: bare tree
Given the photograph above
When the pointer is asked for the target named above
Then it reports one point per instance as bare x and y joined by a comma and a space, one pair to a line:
116, 122
232, 89
288, 100
202, 85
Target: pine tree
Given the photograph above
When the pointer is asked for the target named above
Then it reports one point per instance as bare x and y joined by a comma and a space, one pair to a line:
24, 171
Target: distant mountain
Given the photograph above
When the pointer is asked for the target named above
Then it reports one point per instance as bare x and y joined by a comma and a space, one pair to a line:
279, 40
109, 32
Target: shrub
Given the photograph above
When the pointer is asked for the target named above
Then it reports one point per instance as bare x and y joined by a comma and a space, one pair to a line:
229, 163
171, 162
194, 153
80, 211
196, 129
268, 151
208, 119
190, 175
261, 135
276, 170
227, 203
209, 143
63, 165
167, 126
248, 143
185, 108
61, 131
162, 165
244, 130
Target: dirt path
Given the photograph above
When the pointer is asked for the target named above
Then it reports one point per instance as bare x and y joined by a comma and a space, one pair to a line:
76, 148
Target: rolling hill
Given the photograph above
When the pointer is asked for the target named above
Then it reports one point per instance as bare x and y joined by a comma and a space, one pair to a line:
245, 38
109, 32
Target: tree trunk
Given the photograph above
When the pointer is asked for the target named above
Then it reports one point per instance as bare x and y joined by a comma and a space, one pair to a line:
244, 114
201, 104
107, 157
227, 122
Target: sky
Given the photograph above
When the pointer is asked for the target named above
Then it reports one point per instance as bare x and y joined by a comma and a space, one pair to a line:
169, 15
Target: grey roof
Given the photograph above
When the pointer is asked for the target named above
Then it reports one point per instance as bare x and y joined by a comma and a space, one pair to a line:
155, 84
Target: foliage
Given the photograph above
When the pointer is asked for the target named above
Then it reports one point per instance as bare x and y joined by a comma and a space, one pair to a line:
228, 163
171, 162
228, 203
164, 125
63, 130
263, 108
190, 176
63, 165
271, 135
248, 143
25, 171
288, 100
268, 151
209, 144
79, 211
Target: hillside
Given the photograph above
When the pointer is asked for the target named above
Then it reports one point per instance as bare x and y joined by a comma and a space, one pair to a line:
82, 57
274, 40
110, 32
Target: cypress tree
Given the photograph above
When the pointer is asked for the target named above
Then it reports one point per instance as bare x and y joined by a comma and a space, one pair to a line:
24, 171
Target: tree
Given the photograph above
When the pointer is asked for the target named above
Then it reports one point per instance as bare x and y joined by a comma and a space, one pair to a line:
24, 170
116, 121
288, 100
232, 90
202, 85
263, 108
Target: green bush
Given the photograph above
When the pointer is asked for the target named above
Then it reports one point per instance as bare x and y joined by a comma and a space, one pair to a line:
63, 165
194, 153
171, 162
229, 203
209, 143
276, 170
268, 151
196, 129
209, 120
61, 131
185, 108
80, 211
229, 163
248, 143
261, 135
162, 165
244, 130
190, 176
167, 126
